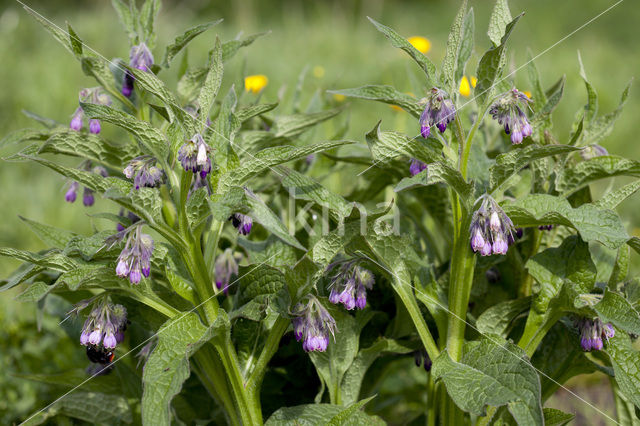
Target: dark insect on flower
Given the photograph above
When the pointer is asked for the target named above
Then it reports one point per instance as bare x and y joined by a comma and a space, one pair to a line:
416, 166
242, 223
226, 268
593, 151
506, 110
103, 330
421, 358
144, 172
545, 227
593, 332
195, 156
439, 111
312, 324
349, 284
135, 259
95, 95
491, 229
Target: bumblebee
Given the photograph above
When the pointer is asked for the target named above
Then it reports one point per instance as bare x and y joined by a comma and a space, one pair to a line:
100, 355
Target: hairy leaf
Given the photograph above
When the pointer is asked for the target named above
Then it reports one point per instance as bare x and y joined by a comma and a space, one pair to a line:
183, 39
386, 94
571, 179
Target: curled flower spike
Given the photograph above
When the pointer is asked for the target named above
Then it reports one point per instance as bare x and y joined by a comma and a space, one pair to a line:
226, 268
144, 172
593, 151
491, 229
438, 112
242, 223
95, 95
416, 166
593, 332
312, 324
135, 259
104, 329
195, 156
349, 284
506, 110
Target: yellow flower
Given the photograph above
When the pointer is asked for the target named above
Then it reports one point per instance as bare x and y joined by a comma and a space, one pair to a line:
338, 97
421, 43
528, 93
474, 81
318, 71
255, 83
465, 88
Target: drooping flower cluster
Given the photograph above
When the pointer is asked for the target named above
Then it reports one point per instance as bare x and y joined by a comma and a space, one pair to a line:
438, 112
416, 166
593, 151
140, 57
195, 156
103, 329
135, 259
491, 229
242, 223
349, 284
226, 268
144, 172
94, 95
312, 324
508, 112
593, 332
421, 358
87, 195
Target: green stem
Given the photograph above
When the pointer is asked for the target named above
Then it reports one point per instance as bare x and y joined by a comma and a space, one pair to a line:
216, 384
466, 151
483, 421
534, 332
212, 244
270, 348
155, 303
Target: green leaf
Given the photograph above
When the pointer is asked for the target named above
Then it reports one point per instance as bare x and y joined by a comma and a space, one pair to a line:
498, 318
89, 146
222, 133
385, 146
591, 222
386, 94
148, 14
500, 18
272, 252
539, 98
258, 280
453, 49
168, 365
610, 200
625, 360
288, 126
49, 235
602, 126
440, 173
126, 19
553, 417
402, 43
466, 45
620, 267
492, 374
251, 111
55, 31
182, 40
544, 114
352, 380
261, 213
180, 285
625, 410
198, 207
346, 416
150, 137
94, 408
74, 41
510, 163
52, 260
591, 108
571, 179
211, 85
231, 47
617, 310
318, 414
491, 65
34, 292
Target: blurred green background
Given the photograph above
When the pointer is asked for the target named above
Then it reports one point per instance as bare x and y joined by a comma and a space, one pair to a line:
339, 48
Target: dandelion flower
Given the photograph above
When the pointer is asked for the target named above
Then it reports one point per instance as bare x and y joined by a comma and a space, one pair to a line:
339, 98
255, 83
421, 43
528, 93
465, 87
318, 71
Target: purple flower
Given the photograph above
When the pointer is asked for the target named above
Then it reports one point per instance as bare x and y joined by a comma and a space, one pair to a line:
95, 95
506, 110
127, 84
140, 57
104, 327
71, 195
144, 172
593, 151
130, 215
242, 223
491, 229
593, 334
226, 268
421, 358
135, 259
349, 284
439, 111
195, 156
545, 227
76, 120
416, 166
313, 324
87, 197
94, 126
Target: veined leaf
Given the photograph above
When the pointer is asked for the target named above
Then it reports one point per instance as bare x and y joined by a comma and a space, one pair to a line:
319, 414
498, 318
55, 31
49, 235
453, 50
492, 374
625, 360
260, 212
610, 200
288, 126
148, 13
571, 179
601, 127
52, 260
385, 146
466, 45
231, 47
617, 310
386, 94
402, 43
500, 18
251, 111
211, 85
591, 108
183, 39
126, 19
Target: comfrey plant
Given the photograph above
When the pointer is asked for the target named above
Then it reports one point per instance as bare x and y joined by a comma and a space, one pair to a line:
469, 251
